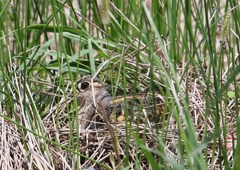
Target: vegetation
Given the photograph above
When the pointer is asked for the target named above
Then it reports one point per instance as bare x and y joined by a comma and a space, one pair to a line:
173, 65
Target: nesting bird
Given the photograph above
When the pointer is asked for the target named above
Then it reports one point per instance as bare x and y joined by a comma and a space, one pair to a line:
92, 97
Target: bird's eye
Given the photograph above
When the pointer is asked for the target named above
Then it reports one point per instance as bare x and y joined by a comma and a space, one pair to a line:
84, 85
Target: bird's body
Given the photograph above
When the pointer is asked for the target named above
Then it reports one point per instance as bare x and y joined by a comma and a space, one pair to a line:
92, 96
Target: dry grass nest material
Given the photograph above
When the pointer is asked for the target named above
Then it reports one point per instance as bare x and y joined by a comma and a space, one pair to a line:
21, 149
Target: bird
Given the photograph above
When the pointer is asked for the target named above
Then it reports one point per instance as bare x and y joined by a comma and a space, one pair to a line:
92, 95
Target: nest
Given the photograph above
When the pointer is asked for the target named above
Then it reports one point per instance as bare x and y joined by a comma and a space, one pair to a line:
102, 137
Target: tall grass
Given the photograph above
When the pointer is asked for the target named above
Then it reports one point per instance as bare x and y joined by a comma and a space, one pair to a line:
166, 48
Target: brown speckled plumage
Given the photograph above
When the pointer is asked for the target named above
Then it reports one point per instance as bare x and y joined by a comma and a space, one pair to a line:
92, 94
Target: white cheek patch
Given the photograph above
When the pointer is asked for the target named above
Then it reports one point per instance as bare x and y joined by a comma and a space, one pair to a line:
96, 85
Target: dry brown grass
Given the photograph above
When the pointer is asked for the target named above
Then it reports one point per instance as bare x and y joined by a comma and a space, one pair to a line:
21, 149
